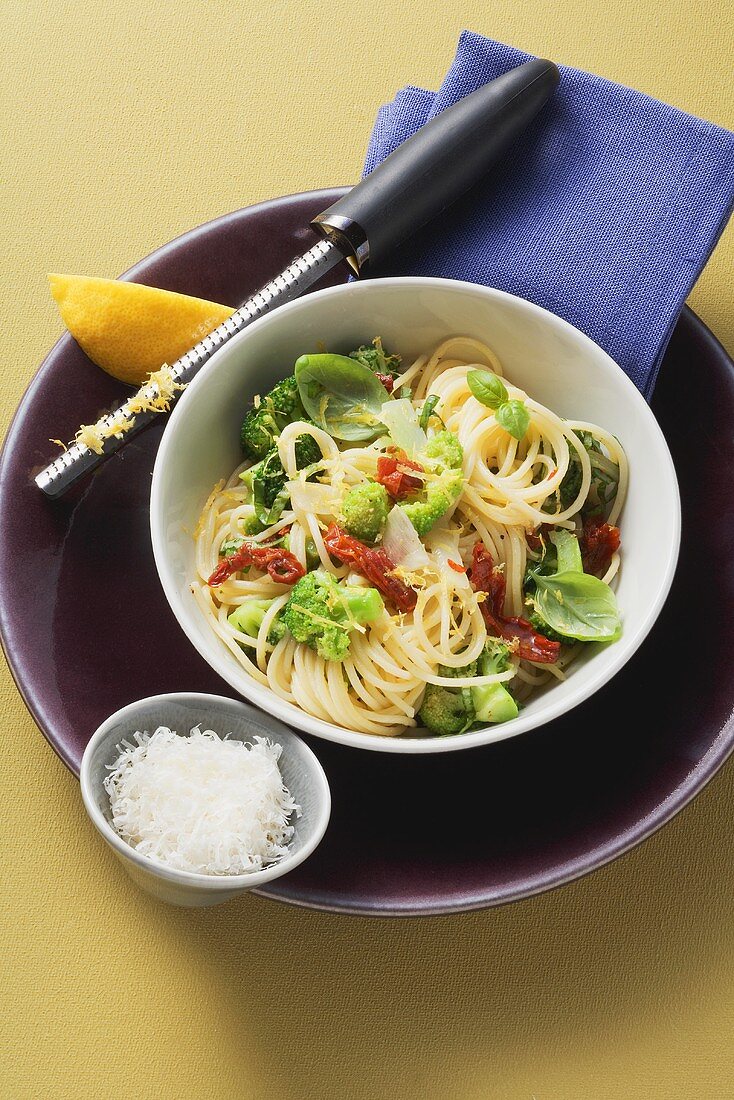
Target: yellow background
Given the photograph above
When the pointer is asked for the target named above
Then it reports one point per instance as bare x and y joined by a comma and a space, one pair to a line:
127, 124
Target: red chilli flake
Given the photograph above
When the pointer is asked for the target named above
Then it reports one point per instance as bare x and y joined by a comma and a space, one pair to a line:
387, 381
486, 577
392, 472
456, 566
374, 564
280, 564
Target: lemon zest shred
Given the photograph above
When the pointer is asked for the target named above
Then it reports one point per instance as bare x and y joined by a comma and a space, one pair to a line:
154, 396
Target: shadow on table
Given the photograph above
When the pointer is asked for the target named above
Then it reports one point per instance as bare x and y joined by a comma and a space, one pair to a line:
358, 1007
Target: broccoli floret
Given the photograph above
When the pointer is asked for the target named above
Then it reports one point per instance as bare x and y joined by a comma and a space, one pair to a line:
377, 359
540, 626
248, 617
266, 419
267, 479
321, 612
445, 710
448, 711
493, 702
364, 510
443, 456
286, 401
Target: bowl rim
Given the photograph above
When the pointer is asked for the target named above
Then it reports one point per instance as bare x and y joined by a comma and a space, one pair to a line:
182, 877
262, 696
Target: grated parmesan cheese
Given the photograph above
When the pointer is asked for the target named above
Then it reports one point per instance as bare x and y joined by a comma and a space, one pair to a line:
201, 803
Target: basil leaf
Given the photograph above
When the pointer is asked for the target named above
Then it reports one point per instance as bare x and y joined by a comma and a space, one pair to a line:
577, 605
488, 388
341, 395
427, 411
514, 418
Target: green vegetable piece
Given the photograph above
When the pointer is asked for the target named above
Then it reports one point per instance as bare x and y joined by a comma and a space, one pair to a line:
569, 488
427, 411
248, 616
286, 402
568, 603
230, 546
447, 711
604, 479
493, 703
268, 479
364, 510
341, 395
444, 451
313, 560
377, 359
540, 626
264, 422
514, 417
577, 605
443, 455
488, 388
568, 551
321, 613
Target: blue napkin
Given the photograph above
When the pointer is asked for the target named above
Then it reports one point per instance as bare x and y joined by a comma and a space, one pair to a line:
605, 212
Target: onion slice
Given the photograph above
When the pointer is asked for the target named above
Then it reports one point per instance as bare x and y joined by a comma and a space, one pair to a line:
401, 421
401, 541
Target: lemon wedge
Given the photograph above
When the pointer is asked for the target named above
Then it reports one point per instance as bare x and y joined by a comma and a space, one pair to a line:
131, 330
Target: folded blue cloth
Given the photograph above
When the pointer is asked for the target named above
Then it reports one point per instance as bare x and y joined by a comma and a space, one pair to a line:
605, 212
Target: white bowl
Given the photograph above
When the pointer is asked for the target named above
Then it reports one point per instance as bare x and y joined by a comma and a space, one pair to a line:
302, 774
544, 355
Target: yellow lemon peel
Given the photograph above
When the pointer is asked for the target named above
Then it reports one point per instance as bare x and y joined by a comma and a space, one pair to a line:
131, 330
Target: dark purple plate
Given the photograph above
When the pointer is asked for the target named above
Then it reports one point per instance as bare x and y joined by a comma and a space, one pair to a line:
86, 629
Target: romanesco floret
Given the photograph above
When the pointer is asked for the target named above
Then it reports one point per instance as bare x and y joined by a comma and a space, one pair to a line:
321, 612
248, 617
444, 456
364, 510
445, 450
266, 419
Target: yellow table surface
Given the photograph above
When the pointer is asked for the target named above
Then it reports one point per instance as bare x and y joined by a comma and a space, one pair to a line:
127, 124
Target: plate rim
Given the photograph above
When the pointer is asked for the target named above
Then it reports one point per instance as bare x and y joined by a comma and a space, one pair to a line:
708, 766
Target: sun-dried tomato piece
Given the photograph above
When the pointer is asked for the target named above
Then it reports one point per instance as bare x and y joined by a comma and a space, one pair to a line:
537, 539
598, 542
393, 472
373, 563
387, 380
486, 577
280, 564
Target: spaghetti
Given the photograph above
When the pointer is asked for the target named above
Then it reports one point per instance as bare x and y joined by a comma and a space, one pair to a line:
514, 496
